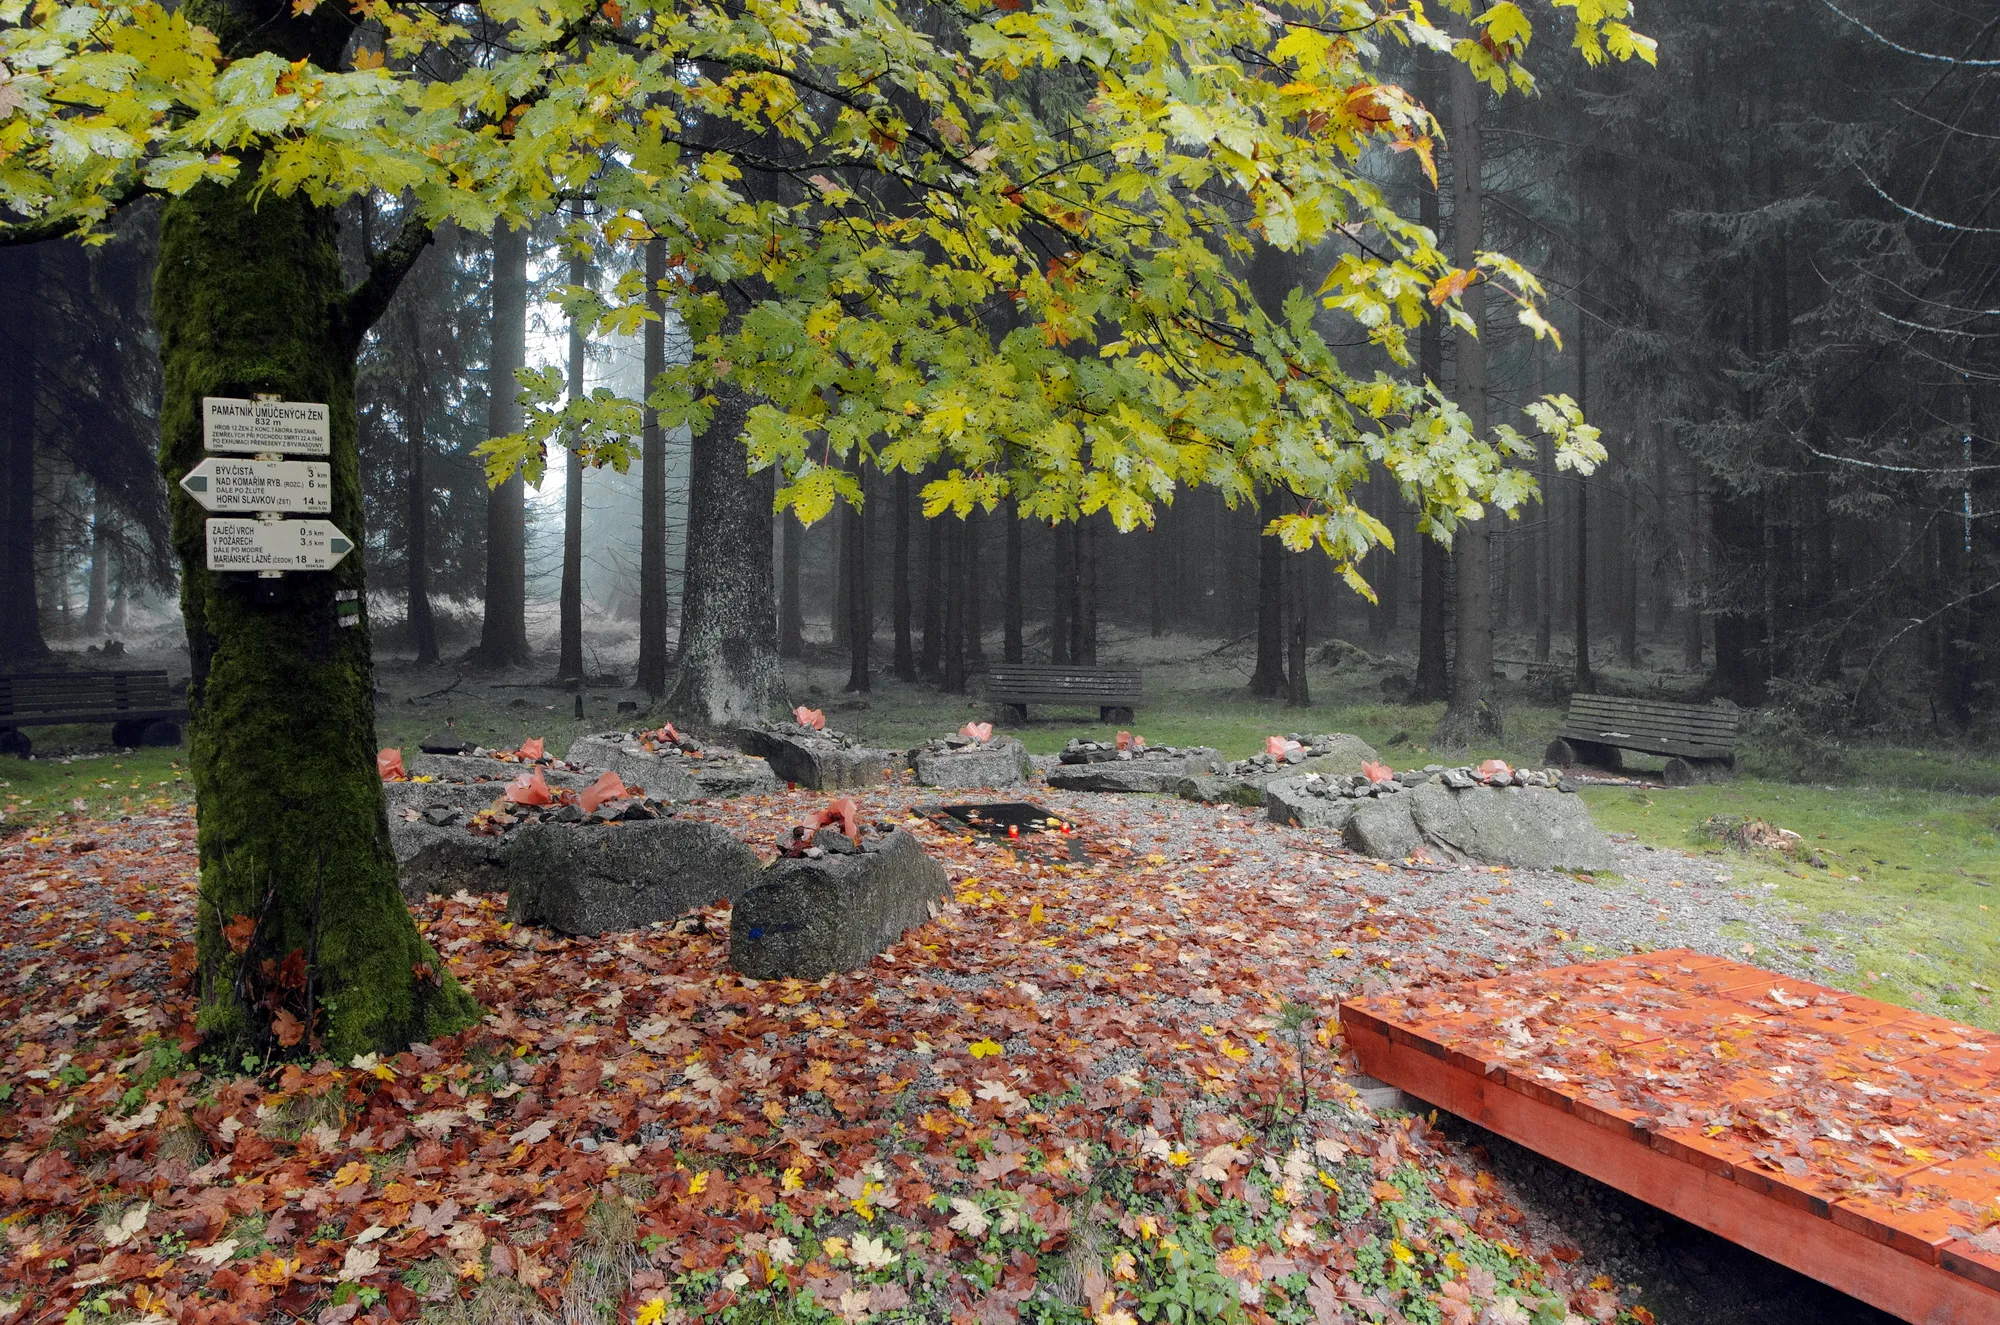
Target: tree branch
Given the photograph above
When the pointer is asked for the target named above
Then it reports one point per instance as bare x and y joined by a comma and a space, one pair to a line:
366, 301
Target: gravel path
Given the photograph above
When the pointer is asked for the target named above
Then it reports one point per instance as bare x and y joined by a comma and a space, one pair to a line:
1664, 898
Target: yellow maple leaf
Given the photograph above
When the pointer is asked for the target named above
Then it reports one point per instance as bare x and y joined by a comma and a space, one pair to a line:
651, 1312
984, 1048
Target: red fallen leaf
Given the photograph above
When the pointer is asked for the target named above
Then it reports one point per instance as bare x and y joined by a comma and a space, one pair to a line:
977, 731
1378, 772
812, 718
531, 749
529, 789
1125, 741
1277, 746
608, 787
237, 934
844, 813
389, 763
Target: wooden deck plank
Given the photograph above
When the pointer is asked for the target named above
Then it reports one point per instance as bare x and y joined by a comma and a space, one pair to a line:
1853, 1140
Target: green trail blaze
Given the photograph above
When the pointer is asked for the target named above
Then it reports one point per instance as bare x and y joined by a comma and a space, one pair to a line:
294, 829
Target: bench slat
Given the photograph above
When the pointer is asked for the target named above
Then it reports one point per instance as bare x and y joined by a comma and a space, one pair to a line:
1652, 726
1050, 683
46, 699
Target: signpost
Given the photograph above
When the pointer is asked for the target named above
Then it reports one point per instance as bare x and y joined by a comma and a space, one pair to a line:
270, 546
280, 427
262, 485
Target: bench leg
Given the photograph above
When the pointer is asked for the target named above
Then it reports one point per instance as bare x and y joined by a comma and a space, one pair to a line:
1114, 715
1020, 711
14, 741
1560, 754
1688, 772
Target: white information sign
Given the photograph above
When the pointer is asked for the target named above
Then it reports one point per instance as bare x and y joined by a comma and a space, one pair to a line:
262, 485
287, 427
279, 545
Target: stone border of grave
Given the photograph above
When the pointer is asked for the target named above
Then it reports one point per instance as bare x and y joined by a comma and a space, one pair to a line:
960, 762
1098, 766
681, 769
834, 907
816, 759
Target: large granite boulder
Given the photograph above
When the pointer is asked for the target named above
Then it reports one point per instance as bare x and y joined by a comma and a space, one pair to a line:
1092, 766
1308, 802
810, 917
819, 760
596, 878
958, 762
1383, 827
1524, 826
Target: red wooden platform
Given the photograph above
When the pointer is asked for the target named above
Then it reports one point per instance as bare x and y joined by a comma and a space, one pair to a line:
1857, 1142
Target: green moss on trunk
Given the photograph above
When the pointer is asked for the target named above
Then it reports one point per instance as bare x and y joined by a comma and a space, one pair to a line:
294, 830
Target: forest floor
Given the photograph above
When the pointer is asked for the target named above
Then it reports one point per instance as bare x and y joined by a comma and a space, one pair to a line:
1889, 896
1083, 1080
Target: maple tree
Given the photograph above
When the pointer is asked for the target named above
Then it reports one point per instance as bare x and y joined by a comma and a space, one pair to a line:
1005, 242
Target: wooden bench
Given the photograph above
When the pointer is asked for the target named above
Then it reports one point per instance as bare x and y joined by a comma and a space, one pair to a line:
1113, 691
141, 706
1696, 738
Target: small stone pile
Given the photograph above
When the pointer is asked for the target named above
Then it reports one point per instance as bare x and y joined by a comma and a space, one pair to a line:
1243, 781
1304, 750
1103, 766
673, 765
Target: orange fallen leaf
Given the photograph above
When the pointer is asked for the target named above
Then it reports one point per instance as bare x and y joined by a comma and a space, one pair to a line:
389, 764
608, 787
529, 789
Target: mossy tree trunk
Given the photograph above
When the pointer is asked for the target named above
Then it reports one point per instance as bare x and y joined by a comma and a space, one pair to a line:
299, 913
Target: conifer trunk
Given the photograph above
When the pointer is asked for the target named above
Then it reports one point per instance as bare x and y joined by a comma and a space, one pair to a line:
1012, 643
1433, 677
905, 658
932, 660
1268, 680
1470, 714
569, 652
954, 607
791, 611
860, 612
652, 676
99, 603
294, 836
503, 631
416, 553
20, 612
1063, 594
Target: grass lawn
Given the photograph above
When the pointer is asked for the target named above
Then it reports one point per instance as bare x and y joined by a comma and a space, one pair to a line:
100, 785
1910, 890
